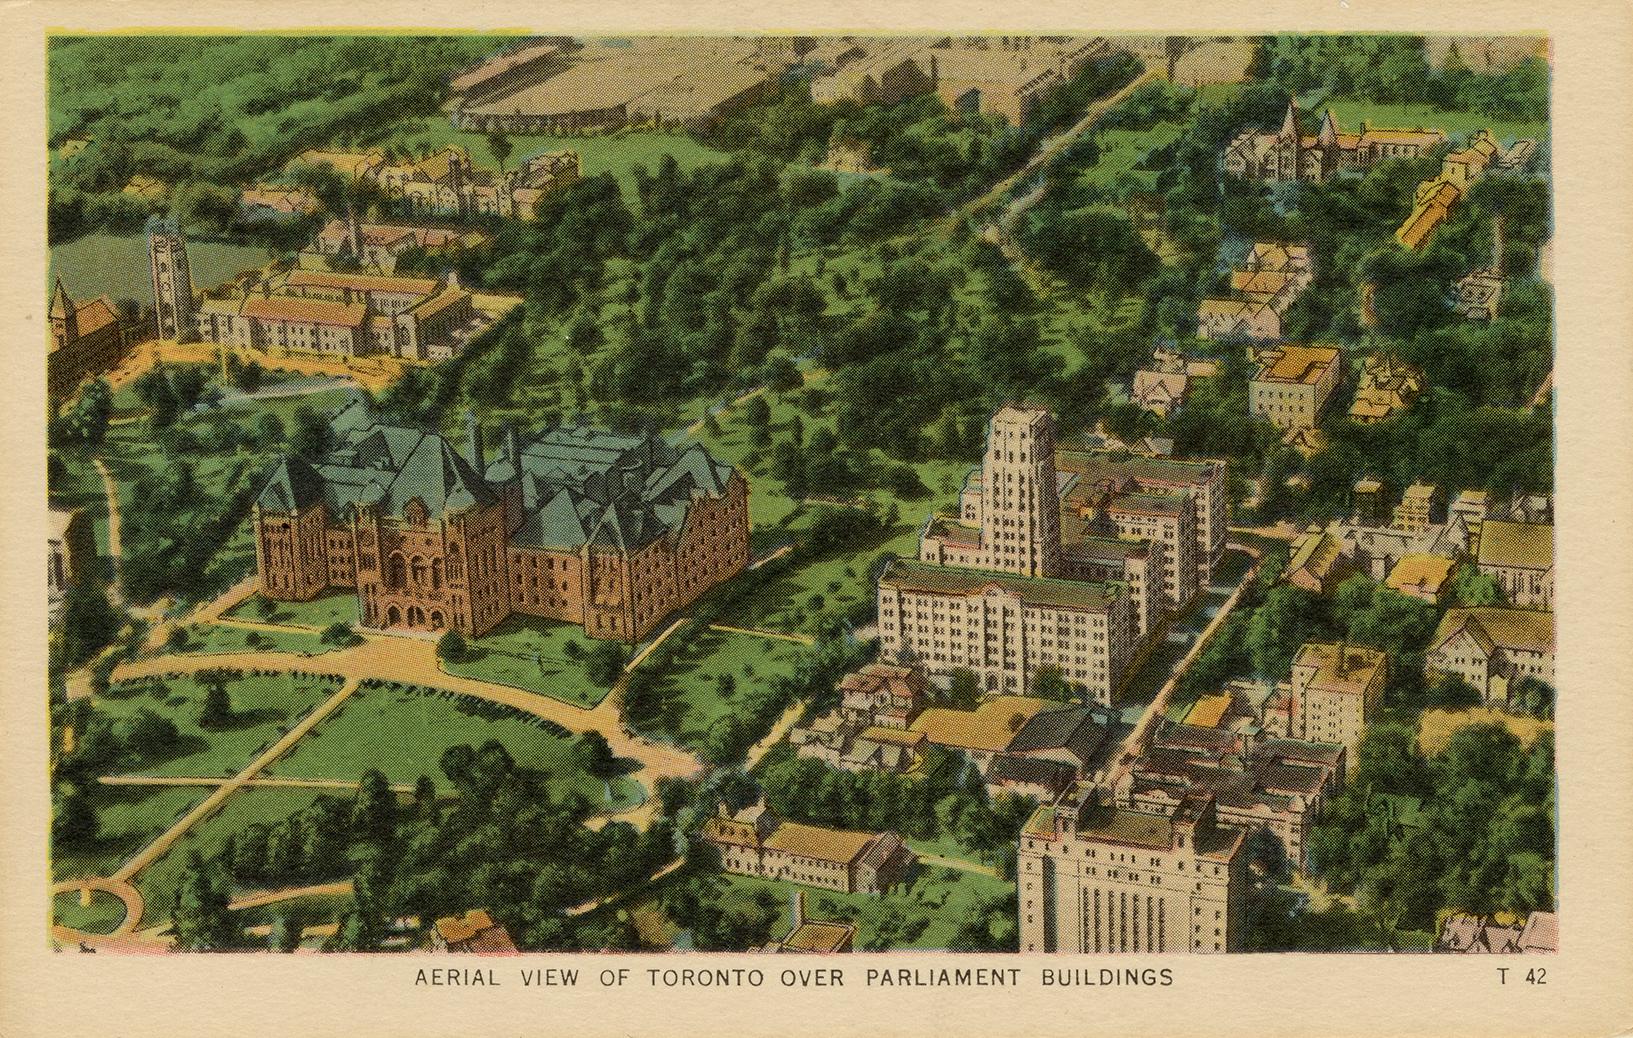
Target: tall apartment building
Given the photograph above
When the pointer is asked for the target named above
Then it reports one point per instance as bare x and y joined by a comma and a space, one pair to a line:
610, 532
1005, 627
1294, 383
1204, 481
1335, 690
1096, 878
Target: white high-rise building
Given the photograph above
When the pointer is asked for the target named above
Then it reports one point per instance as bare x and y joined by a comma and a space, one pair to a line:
1020, 521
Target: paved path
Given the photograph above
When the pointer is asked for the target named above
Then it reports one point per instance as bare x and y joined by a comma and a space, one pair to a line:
592, 905
802, 639
153, 851
272, 897
1139, 739
412, 661
291, 783
1052, 146
958, 863
778, 730
110, 490
779, 553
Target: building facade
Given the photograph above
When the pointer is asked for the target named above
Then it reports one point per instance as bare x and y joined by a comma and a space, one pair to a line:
1096, 878
755, 842
1289, 154
610, 532
1294, 383
172, 279
1335, 690
1519, 557
1491, 648
1005, 628
85, 341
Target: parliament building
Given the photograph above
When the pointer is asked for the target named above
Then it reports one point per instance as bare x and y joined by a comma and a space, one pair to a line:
607, 531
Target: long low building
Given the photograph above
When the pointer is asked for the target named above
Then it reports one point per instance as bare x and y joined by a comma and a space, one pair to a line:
1005, 627
755, 842
1492, 647
342, 314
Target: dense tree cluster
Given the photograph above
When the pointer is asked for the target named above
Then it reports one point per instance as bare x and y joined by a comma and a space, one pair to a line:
1472, 827
202, 113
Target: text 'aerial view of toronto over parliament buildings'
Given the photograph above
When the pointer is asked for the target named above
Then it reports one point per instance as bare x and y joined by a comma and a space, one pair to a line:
807, 494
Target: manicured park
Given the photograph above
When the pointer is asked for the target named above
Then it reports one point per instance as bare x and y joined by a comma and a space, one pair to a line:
532, 653
101, 916
128, 819
403, 733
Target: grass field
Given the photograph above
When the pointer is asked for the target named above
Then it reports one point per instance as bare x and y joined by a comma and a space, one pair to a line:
1436, 727
115, 265
615, 153
215, 639
264, 708
160, 881
103, 914
690, 687
1122, 150
338, 607
129, 818
403, 735
528, 652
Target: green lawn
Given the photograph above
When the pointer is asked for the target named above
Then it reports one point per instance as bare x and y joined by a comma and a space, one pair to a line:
529, 652
332, 608
934, 903
617, 153
160, 881
265, 707
1350, 114
129, 818
116, 265
690, 688
314, 909
1122, 150
403, 735
104, 913
216, 639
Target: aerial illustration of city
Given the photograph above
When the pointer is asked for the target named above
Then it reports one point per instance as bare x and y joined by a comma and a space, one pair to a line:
802, 494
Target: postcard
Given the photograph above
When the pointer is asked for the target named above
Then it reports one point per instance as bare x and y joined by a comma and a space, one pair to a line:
543, 517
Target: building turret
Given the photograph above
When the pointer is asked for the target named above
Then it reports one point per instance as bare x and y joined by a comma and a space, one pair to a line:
473, 442
64, 318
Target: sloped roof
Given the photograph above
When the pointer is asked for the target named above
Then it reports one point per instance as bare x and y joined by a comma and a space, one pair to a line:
294, 486
1529, 630
1517, 545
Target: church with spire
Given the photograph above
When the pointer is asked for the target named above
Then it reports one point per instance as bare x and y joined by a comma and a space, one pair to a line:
1290, 154
85, 341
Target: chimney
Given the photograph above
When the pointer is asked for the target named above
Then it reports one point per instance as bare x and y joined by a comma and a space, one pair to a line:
799, 909
473, 441
513, 451
1343, 659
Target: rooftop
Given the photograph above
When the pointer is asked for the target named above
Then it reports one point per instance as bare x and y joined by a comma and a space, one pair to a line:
989, 727
1359, 665
1530, 630
909, 575
1290, 363
360, 282
814, 841
813, 936
310, 311
1420, 572
1517, 545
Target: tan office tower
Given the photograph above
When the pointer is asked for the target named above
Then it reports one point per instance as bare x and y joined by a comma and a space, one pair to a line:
1099, 878
1020, 522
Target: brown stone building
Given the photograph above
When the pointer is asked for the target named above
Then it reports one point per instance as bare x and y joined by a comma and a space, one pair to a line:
610, 532
755, 842
85, 341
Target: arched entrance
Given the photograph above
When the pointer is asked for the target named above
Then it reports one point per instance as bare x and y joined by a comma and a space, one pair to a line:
416, 616
394, 616
437, 621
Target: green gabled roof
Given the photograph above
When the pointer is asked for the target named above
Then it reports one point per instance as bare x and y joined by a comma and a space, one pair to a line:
442, 480
294, 486
556, 525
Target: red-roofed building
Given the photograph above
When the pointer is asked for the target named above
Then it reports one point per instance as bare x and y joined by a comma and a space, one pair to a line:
85, 341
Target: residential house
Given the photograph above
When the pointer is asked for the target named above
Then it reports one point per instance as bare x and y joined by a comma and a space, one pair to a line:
1387, 387
474, 932
1422, 576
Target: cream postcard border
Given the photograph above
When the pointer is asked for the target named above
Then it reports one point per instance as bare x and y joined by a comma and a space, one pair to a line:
1589, 989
